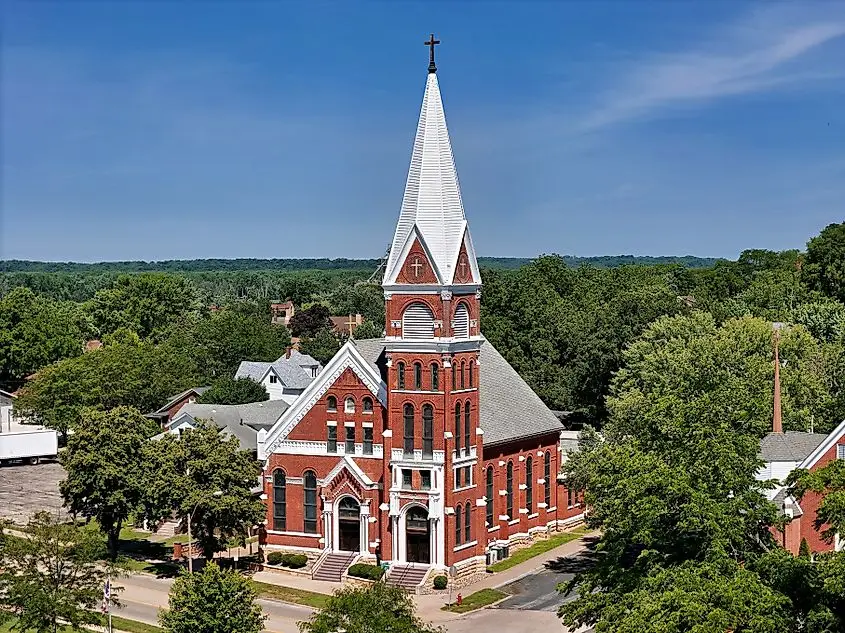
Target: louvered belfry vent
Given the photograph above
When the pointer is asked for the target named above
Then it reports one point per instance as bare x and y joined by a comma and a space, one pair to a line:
417, 322
461, 322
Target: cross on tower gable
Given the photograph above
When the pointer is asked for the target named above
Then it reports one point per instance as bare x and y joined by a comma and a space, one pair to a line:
417, 265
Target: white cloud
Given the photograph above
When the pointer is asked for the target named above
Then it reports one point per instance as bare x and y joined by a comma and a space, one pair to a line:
758, 54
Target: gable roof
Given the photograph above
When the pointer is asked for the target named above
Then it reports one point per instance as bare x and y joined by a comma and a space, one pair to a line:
432, 203
289, 371
241, 420
347, 357
792, 446
179, 396
829, 441
509, 408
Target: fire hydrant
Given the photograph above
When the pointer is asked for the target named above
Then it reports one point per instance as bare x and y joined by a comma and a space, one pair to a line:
460, 599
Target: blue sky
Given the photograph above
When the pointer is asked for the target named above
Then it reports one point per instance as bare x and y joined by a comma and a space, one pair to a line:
171, 130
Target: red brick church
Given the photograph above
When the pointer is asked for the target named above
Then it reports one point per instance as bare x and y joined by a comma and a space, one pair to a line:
425, 446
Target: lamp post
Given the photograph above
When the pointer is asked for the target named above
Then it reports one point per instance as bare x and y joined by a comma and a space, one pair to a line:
218, 493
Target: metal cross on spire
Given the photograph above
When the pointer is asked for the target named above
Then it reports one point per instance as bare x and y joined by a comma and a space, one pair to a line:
431, 43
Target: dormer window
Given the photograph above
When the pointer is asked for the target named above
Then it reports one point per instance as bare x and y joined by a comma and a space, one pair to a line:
349, 405
368, 405
331, 403
273, 379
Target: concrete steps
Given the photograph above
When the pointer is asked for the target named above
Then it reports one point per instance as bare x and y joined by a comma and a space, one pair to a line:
333, 566
169, 528
407, 576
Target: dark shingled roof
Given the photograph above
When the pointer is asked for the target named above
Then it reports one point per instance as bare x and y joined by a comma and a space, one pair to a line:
510, 409
792, 446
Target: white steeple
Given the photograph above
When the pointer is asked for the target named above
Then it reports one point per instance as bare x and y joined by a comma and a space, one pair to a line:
432, 201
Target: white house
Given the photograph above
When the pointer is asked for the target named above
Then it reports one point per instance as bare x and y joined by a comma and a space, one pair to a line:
285, 378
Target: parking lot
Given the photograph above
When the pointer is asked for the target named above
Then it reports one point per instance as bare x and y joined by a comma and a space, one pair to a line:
27, 489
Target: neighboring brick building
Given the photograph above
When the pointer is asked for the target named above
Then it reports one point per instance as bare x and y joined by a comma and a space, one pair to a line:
425, 446
170, 408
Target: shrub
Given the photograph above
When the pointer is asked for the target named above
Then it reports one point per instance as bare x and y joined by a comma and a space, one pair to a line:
440, 582
294, 561
366, 571
804, 550
275, 558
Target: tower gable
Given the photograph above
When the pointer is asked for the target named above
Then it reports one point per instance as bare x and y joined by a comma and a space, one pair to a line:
417, 267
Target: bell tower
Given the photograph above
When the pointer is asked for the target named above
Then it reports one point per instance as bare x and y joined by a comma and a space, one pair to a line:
432, 289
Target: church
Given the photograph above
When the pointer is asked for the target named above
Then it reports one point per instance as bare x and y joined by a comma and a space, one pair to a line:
423, 449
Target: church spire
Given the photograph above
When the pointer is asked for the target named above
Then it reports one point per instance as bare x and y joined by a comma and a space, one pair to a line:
432, 210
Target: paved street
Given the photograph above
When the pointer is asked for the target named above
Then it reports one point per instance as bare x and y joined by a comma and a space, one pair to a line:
25, 489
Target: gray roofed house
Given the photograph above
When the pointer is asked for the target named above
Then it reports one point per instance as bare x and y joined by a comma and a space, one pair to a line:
241, 420
509, 408
170, 408
284, 378
792, 446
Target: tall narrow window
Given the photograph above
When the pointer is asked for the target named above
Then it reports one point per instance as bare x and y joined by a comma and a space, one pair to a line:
509, 490
349, 449
409, 429
454, 375
529, 485
569, 502
471, 373
435, 377
407, 478
368, 440
331, 403
417, 376
400, 375
467, 439
309, 482
425, 479
489, 496
349, 405
280, 522
547, 475
331, 439
467, 524
461, 322
459, 528
428, 431
457, 428
367, 405
463, 372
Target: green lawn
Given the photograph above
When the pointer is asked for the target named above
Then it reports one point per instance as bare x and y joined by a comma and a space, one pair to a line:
476, 600
540, 547
118, 623
290, 594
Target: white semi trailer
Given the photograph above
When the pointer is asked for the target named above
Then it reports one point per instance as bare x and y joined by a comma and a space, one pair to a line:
30, 446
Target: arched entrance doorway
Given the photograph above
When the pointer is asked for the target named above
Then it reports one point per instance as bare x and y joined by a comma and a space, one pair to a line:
417, 536
349, 525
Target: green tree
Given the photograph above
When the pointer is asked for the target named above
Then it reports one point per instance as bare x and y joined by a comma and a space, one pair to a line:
53, 577
231, 391
146, 303
824, 264
212, 601
373, 609
828, 481
207, 477
104, 466
237, 332
804, 549
323, 346
369, 329
34, 332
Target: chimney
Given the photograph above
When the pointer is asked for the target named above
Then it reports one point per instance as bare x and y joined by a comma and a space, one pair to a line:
777, 421
287, 351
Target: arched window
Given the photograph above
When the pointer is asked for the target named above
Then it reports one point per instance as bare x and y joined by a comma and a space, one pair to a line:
417, 321
467, 438
509, 490
400, 375
331, 403
367, 405
467, 525
417, 376
349, 405
529, 485
454, 375
309, 484
489, 495
463, 373
280, 522
547, 475
428, 430
435, 377
461, 322
408, 415
471, 373
459, 528
457, 428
